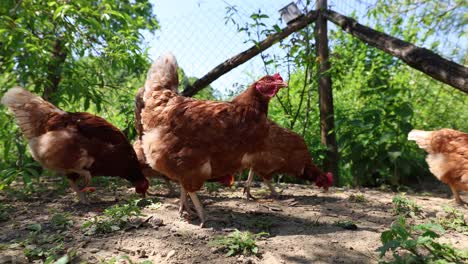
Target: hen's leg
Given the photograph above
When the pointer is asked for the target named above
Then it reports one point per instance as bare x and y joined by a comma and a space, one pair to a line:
273, 193
81, 195
456, 195
198, 207
239, 180
87, 178
184, 206
247, 194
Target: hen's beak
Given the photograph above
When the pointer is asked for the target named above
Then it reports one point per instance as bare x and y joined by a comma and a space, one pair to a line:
281, 84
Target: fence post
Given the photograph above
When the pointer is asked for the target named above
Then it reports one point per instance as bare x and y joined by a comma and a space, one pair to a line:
327, 120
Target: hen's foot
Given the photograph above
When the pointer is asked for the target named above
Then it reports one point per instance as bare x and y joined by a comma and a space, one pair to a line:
248, 195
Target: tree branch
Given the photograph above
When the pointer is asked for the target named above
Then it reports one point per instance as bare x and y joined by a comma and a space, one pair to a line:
419, 58
242, 57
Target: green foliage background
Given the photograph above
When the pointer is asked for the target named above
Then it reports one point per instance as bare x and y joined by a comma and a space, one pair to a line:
88, 56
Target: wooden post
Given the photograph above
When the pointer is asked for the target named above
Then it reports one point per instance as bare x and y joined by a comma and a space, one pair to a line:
327, 120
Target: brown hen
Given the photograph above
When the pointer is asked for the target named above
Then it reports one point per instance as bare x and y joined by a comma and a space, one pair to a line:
447, 156
75, 144
192, 141
284, 152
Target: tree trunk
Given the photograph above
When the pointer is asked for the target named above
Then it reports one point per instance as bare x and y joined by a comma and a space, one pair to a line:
54, 71
327, 119
419, 58
240, 58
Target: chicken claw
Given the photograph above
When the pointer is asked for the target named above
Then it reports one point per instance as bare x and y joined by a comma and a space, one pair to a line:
184, 205
273, 193
199, 208
247, 194
83, 198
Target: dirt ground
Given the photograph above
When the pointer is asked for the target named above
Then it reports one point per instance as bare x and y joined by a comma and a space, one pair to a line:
301, 225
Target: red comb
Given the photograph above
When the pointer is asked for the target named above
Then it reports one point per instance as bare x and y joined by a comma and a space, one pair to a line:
330, 178
277, 76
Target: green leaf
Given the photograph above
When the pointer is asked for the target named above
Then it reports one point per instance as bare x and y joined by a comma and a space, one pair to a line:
34, 227
61, 10
63, 260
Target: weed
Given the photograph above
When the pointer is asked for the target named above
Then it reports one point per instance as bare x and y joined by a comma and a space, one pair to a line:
5, 212
145, 202
417, 244
404, 206
61, 221
239, 242
42, 246
346, 224
212, 187
357, 198
454, 220
115, 218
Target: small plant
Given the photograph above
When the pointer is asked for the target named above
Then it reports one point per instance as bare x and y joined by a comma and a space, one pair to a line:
4, 212
454, 220
404, 206
357, 198
115, 218
346, 224
417, 244
212, 187
239, 242
61, 221
42, 246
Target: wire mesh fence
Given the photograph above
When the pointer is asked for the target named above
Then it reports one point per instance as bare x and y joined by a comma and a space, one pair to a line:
201, 37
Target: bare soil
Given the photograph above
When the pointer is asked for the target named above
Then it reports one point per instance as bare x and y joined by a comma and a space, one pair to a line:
302, 225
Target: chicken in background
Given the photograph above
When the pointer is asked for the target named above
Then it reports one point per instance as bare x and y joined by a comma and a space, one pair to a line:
75, 144
192, 141
447, 156
284, 152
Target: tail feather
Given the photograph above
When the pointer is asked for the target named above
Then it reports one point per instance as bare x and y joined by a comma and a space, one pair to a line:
422, 138
162, 75
139, 105
30, 110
